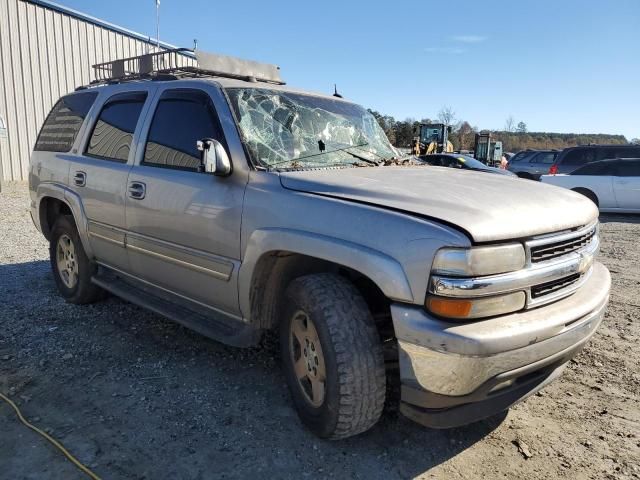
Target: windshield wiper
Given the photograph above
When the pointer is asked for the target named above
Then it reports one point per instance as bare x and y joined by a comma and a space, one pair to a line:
371, 162
292, 160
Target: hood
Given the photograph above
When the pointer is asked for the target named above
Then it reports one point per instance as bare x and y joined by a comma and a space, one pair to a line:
487, 207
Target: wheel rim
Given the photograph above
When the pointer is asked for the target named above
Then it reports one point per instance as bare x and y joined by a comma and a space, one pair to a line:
66, 261
307, 358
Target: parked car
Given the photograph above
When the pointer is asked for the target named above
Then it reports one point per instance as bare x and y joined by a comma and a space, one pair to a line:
575, 157
236, 205
613, 185
464, 162
531, 166
522, 153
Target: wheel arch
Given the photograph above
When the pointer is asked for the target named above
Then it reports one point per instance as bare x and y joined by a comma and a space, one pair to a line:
587, 192
274, 257
55, 200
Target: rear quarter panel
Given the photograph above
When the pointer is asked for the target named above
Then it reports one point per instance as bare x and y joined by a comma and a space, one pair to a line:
601, 186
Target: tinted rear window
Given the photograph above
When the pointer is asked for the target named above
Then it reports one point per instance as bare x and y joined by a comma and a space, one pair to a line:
113, 132
629, 168
580, 156
597, 168
63, 123
544, 157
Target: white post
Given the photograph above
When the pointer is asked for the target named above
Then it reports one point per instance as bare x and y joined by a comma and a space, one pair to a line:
158, 24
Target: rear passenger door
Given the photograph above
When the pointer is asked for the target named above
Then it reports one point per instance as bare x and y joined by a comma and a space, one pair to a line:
99, 173
626, 185
183, 226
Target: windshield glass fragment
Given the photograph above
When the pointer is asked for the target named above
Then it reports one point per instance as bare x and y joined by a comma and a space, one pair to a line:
291, 130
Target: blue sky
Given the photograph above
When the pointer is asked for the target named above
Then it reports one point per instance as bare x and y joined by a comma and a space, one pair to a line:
557, 65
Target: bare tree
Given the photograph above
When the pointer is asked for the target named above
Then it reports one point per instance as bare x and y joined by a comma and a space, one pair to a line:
635, 141
510, 124
446, 115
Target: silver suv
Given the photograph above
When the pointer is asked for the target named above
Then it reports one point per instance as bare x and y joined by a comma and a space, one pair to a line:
236, 205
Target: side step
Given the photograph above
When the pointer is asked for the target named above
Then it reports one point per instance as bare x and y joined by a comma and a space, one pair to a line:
212, 324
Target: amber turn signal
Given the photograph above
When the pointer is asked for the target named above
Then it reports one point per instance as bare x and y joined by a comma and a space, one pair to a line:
464, 308
449, 307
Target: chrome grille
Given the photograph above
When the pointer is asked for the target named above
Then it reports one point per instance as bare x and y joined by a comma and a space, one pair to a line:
548, 248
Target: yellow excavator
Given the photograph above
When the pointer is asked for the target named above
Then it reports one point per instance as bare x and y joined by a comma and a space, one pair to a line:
433, 138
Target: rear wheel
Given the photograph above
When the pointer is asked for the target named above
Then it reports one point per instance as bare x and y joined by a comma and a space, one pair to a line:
72, 270
332, 356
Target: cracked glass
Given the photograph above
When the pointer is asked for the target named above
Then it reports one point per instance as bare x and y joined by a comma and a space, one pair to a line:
290, 130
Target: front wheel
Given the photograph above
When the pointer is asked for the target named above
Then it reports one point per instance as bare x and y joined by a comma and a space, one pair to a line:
332, 356
72, 270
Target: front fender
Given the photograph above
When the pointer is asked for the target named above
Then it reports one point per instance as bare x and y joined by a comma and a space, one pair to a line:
383, 270
73, 201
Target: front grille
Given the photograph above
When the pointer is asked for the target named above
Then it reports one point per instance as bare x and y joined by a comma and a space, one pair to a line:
543, 289
548, 251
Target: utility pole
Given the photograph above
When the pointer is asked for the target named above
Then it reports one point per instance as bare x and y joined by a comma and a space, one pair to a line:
158, 24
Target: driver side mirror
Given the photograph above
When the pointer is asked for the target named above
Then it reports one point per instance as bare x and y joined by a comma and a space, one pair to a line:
214, 158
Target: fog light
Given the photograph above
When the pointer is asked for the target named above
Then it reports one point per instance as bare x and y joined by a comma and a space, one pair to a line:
463, 308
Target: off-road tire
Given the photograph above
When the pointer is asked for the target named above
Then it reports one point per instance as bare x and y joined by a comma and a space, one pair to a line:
83, 291
355, 372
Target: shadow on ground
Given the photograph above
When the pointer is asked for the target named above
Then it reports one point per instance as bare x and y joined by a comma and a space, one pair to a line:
619, 218
136, 395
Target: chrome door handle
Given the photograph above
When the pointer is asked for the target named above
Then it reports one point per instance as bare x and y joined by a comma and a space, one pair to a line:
137, 190
80, 179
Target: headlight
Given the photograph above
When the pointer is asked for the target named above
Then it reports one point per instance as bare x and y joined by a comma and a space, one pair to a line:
478, 261
478, 265
467, 309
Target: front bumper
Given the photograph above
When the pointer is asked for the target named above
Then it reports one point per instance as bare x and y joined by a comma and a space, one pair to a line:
456, 373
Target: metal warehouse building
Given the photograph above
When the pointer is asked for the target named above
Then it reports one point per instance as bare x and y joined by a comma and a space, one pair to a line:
47, 50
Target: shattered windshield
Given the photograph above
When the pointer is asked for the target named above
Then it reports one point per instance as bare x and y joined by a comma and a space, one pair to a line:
291, 130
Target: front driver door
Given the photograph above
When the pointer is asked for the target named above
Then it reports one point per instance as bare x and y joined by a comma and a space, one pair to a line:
183, 226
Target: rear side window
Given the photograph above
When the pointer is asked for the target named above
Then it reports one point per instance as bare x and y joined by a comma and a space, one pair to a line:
182, 117
597, 168
63, 123
113, 132
629, 152
629, 168
580, 156
547, 158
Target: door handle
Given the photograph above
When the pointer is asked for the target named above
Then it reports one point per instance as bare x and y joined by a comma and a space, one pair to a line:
80, 179
137, 190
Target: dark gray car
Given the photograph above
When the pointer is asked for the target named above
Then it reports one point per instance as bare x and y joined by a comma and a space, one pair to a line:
533, 165
464, 162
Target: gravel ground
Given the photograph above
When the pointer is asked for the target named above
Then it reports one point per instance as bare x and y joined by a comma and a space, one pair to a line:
136, 396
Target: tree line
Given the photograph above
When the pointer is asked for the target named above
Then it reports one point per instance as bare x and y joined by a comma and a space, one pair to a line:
514, 136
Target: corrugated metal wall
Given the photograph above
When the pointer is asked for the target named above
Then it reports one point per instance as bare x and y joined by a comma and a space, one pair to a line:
45, 53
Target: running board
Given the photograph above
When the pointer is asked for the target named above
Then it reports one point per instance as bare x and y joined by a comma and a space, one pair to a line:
213, 324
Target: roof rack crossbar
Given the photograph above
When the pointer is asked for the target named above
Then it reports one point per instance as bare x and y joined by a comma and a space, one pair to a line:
179, 62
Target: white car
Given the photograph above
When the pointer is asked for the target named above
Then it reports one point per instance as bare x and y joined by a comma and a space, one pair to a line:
613, 185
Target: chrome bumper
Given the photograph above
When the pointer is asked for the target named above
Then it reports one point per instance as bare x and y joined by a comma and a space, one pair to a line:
472, 361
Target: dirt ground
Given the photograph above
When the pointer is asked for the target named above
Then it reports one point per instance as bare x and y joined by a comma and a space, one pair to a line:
135, 396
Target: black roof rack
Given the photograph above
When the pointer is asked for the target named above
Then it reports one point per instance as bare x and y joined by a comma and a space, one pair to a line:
183, 63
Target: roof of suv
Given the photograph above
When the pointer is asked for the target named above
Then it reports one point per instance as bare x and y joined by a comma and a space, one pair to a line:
221, 82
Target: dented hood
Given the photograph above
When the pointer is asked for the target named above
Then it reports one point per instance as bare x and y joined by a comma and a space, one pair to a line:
488, 207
